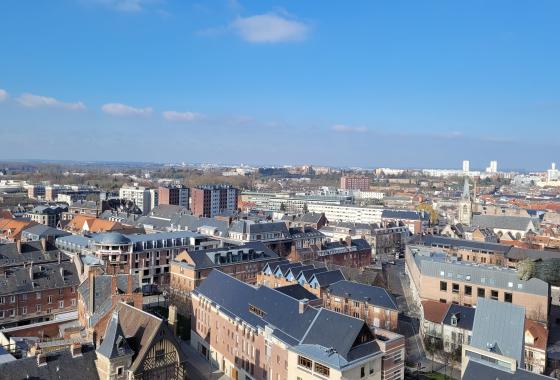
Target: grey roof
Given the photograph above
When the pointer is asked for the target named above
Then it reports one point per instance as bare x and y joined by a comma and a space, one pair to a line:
447, 242
374, 295
168, 211
309, 273
216, 257
112, 238
154, 223
193, 223
30, 252
476, 370
327, 278
60, 365
50, 275
463, 314
487, 275
41, 230
499, 327
309, 217
297, 291
250, 227
403, 215
114, 343
281, 313
506, 222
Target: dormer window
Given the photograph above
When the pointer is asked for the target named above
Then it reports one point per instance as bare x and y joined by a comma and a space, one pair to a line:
454, 320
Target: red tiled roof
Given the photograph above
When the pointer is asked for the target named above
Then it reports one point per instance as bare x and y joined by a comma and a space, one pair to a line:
434, 311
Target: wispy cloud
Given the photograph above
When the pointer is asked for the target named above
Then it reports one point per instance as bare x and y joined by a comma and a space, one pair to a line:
3, 95
270, 28
181, 116
348, 128
122, 5
119, 109
33, 101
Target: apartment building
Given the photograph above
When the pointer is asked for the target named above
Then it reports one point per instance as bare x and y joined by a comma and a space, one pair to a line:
372, 304
31, 293
243, 262
177, 195
347, 213
481, 252
355, 253
416, 221
260, 333
140, 195
47, 215
147, 255
354, 183
212, 200
436, 276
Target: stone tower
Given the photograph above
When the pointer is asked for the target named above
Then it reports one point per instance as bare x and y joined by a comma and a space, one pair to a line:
114, 355
465, 205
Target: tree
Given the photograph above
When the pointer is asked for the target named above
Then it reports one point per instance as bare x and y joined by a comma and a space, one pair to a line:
305, 209
282, 207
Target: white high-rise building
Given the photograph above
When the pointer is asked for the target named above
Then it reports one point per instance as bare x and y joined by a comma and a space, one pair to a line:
552, 173
466, 166
141, 196
493, 168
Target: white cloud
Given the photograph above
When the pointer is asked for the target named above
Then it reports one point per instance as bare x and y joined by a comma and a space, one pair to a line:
119, 109
33, 101
181, 116
3, 95
270, 28
348, 128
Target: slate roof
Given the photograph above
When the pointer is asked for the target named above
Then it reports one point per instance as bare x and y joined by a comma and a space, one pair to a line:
45, 276
309, 217
447, 242
506, 222
297, 291
476, 370
403, 215
328, 277
30, 252
487, 275
111, 238
114, 343
207, 258
464, 315
249, 227
60, 365
309, 273
281, 313
193, 223
374, 295
40, 230
499, 325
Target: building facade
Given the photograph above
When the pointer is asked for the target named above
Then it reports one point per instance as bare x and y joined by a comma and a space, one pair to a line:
212, 200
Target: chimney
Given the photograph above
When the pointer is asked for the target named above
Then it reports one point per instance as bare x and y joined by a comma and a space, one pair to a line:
76, 349
18, 245
41, 359
59, 257
31, 270
44, 244
130, 283
61, 273
91, 280
302, 305
114, 287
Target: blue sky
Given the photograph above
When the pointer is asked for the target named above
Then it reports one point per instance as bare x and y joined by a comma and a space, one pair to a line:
362, 83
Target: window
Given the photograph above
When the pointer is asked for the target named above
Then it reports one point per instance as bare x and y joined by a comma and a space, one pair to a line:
120, 371
50, 299
322, 370
73, 301
12, 299
2, 300
443, 286
38, 295
455, 288
508, 297
494, 295
24, 310
363, 372
38, 308
481, 292
61, 304
468, 290
304, 362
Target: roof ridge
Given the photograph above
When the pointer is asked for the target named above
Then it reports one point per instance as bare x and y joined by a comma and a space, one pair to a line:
310, 325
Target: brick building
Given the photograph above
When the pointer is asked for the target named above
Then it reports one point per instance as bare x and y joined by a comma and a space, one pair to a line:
355, 253
32, 293
177, 195
354, 183
261, 333
212, 200
438, 277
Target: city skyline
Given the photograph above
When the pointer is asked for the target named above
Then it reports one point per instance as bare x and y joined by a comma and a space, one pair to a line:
226, 81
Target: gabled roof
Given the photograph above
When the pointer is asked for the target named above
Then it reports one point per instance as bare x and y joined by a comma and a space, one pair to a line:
373, 295
327, 278
309, 273
434, 311
114, 341
216, 257
476, 370
297, 291
499, 327
464, 316
506, 222
539, 333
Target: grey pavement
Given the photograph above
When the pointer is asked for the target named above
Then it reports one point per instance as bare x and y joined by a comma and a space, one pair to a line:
198, 368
